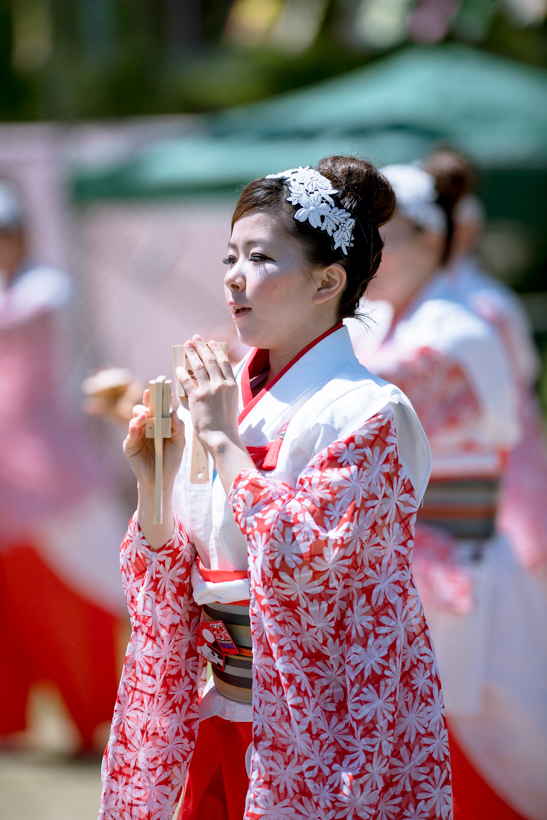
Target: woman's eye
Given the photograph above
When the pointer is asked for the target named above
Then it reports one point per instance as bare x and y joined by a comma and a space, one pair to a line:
258, 257
230, 260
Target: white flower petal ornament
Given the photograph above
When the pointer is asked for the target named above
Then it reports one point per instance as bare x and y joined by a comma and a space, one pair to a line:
314, 194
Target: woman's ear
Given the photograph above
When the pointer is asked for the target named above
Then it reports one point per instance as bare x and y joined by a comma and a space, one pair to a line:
330, 282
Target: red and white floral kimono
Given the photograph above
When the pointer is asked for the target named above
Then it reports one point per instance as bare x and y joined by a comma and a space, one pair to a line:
522, 512
486, 613
347, 711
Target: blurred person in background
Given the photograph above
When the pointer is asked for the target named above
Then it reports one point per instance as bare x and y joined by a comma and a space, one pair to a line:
486, 614
522, 511
61, 598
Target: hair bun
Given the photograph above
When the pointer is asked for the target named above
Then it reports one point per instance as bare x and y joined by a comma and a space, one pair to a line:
360, 183
453, 174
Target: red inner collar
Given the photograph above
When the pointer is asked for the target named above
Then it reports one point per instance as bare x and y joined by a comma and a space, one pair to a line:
259, 361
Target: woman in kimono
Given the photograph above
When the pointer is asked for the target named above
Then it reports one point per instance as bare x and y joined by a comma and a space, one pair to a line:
60, 585
485, 612
300, 547
522, 513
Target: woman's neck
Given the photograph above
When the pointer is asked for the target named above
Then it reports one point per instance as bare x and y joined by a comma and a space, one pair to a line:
280, 357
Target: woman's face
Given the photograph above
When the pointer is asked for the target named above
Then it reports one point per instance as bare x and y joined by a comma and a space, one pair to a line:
269, 287
409, 259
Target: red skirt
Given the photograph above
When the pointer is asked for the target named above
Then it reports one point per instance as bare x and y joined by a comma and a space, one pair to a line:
473, 797
217, 782
50, 633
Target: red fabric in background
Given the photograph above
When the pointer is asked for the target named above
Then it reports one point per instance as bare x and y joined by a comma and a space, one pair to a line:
217, 780
473, 797
48, 632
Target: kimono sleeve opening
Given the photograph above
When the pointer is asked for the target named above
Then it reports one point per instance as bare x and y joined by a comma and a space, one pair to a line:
156, 716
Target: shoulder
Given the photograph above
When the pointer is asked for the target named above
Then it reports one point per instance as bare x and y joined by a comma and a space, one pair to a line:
449, 327
352, 401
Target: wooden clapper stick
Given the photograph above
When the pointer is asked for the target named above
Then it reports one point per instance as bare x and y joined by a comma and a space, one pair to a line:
158, 427
199, 463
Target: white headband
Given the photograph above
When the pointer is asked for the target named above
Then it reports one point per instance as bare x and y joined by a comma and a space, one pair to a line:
11, 208
415, 194
313, 192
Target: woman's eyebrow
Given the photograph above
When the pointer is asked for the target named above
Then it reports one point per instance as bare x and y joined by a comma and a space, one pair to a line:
250, 242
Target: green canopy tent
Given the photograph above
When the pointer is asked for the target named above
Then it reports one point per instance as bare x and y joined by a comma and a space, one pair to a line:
493, 109
208, 164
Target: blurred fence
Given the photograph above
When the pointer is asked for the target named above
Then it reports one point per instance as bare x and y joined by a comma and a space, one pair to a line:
147, 274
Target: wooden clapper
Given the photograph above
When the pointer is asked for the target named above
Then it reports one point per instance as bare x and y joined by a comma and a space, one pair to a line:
199, 463
158, 427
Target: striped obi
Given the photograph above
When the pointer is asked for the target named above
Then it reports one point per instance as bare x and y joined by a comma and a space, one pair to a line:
235, 681
463, 507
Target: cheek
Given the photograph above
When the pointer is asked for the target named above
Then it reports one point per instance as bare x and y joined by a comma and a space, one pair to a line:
276, 286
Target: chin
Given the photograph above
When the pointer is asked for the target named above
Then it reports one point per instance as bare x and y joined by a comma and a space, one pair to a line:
253, 337
250, 339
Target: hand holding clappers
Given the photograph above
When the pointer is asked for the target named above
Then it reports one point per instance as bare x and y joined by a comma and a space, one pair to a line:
158, 427
199, 464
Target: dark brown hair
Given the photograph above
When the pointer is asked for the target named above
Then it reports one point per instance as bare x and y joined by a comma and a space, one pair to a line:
364, 191
454, 177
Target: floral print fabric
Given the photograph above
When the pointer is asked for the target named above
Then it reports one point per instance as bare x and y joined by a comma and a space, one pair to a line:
157, 711
438, 388
348, 713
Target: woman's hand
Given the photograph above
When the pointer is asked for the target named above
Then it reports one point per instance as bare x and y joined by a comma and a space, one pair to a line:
212, 392
212, 400
139, 451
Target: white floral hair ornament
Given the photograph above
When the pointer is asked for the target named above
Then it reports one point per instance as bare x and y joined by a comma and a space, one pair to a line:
415, 193
313, 193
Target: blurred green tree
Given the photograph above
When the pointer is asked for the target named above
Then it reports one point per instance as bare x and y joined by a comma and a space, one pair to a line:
72, 59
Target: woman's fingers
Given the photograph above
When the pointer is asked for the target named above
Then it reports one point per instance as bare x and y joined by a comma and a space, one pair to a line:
222, 360
195, 364
136, 426
185, 379
209, 359
140, 410
202, 361
135, 438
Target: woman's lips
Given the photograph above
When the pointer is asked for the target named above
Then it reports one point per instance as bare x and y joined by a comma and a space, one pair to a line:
238, 312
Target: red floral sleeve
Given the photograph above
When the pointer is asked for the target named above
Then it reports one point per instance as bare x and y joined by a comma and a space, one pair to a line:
156, 714
348, 712
438, 388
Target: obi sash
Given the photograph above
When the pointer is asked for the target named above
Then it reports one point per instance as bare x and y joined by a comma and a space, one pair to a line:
463, 507
235, 681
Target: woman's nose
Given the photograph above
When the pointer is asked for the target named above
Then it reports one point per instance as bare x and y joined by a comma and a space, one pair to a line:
234, 281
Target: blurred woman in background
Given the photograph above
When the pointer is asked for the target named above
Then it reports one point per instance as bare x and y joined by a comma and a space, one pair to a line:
60, 588
485, 612
522, 512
